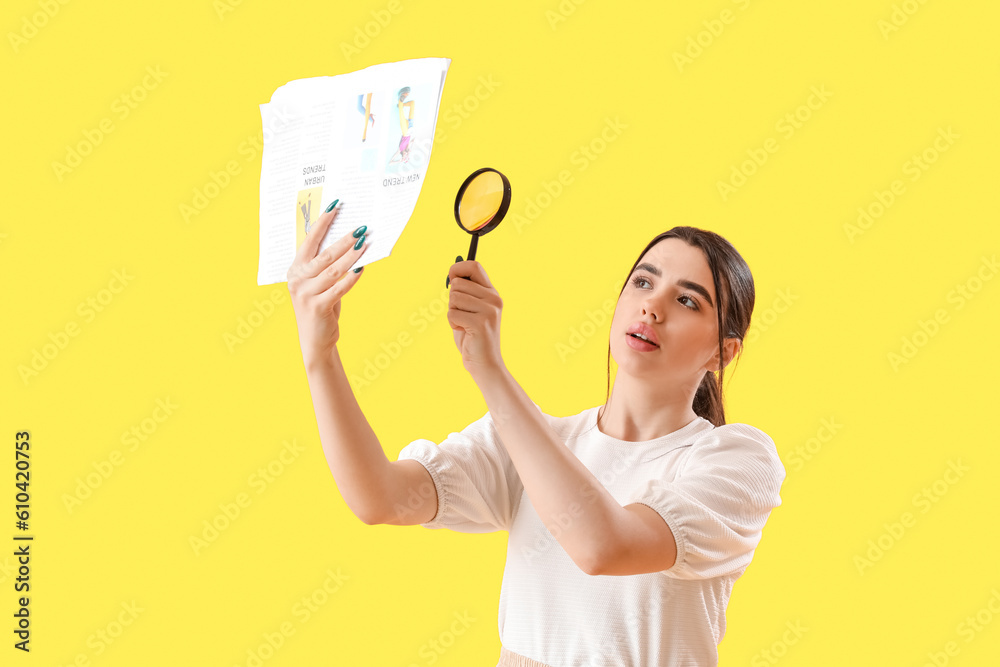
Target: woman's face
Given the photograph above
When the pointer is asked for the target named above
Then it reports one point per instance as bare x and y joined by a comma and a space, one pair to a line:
681, 318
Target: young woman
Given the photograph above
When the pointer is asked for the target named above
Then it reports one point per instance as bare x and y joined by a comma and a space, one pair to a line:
629, 522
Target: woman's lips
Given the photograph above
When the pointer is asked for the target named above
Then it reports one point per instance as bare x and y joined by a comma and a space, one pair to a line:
639, 344
645, 330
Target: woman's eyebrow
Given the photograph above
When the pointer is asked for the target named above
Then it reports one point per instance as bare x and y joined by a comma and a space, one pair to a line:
645, 266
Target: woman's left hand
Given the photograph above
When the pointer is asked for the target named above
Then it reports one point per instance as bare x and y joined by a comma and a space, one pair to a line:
474, 314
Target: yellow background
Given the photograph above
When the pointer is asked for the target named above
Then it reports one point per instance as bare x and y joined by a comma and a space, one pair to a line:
822, 353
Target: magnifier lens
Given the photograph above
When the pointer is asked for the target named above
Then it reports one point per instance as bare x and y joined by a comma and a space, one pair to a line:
481, 201
481, 205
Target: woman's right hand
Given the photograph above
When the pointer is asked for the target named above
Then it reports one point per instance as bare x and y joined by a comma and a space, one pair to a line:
317, 282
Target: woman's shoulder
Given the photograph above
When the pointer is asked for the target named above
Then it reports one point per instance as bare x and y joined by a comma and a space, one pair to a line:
741, 434
737, 442
573, 425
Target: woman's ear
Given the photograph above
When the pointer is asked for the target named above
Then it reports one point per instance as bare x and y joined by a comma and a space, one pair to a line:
730, 347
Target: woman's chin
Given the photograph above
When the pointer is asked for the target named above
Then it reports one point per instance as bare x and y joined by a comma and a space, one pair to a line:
639, 363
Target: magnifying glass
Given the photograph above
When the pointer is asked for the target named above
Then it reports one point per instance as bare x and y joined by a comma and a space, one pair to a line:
480, 205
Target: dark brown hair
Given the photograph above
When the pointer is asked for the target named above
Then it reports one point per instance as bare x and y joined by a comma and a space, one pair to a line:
735, 293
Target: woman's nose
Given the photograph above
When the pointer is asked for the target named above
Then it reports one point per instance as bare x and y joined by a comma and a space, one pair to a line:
648, 307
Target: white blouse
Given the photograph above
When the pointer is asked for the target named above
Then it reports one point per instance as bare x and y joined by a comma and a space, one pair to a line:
714, 487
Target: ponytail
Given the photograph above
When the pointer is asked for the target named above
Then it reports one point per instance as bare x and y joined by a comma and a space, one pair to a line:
708, 399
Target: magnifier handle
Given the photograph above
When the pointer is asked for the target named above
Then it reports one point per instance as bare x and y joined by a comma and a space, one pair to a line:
472, 256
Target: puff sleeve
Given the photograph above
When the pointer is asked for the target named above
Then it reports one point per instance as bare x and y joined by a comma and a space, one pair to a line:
717, 504
478, 488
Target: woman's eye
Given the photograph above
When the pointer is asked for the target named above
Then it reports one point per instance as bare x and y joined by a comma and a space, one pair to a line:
694, 304
638, 281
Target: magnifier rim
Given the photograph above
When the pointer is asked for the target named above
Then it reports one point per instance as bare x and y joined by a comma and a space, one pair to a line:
501, 211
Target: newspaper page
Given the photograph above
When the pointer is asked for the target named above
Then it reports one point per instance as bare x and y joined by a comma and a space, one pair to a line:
365, 138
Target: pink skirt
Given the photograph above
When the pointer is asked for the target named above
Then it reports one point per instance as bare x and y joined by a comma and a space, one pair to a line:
510, 659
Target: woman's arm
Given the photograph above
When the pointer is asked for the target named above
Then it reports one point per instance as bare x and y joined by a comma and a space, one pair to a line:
317, 281
410, 509
367, 480
572, 503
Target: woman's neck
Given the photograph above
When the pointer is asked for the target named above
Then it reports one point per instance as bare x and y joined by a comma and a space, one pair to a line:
638, 416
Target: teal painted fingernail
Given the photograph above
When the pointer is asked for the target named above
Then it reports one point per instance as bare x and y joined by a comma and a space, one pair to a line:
361, 242
330, 207
358, 270
360, 230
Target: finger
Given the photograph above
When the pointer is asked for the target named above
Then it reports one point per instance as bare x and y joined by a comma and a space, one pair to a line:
316, 233
470, 269
475, 289
333, 263
447, 281
311, 268
338, 289
461, 320
466, 303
